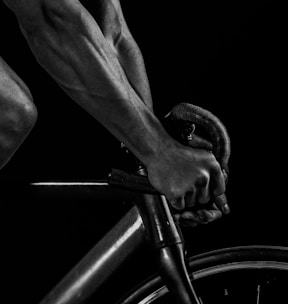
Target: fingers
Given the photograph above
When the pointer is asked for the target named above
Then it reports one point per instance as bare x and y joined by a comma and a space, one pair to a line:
217, 183
193, 218
201, 194
199, 143
194, 180
208, 184
221, 203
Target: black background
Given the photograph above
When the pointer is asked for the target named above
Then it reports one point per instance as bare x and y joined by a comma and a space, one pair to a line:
224, 58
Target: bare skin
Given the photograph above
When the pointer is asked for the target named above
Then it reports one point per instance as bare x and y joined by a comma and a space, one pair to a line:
17, 112
117, 33
98, 64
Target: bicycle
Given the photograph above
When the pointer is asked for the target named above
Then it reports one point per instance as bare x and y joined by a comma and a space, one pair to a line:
222, 276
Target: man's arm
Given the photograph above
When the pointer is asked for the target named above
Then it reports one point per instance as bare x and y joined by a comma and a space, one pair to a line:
115, 29
70, 45
17, 112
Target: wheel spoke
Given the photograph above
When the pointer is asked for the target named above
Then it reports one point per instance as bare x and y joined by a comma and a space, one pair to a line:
258, 294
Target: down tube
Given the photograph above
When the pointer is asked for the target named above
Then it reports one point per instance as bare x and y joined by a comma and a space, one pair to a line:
101, 261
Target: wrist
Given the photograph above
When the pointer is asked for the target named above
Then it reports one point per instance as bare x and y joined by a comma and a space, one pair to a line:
161, 152
152, 141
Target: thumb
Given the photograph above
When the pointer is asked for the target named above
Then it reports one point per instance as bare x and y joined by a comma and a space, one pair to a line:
199, 143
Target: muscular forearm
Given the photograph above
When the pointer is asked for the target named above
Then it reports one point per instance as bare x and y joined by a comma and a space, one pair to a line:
70, 46
132, 61
116, 31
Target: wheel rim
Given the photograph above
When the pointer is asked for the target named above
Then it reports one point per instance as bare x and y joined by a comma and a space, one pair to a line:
264, 260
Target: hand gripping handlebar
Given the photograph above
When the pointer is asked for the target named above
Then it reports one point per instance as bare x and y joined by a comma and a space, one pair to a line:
181, 123
185, 118
162, 232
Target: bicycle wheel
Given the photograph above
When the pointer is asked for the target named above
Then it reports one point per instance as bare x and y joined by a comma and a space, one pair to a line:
247, 274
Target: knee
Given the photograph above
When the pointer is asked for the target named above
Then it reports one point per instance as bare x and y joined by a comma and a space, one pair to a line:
18, 113
28, 114
25, 113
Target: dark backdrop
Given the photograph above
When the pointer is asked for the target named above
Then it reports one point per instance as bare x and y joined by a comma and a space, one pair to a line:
223, 58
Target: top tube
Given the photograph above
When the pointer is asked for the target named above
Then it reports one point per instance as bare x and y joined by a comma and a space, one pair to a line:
63, 190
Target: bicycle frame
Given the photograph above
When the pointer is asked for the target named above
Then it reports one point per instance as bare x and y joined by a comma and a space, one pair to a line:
101, 262
149, 222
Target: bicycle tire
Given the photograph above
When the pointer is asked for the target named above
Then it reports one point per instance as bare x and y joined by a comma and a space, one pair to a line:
244, 274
